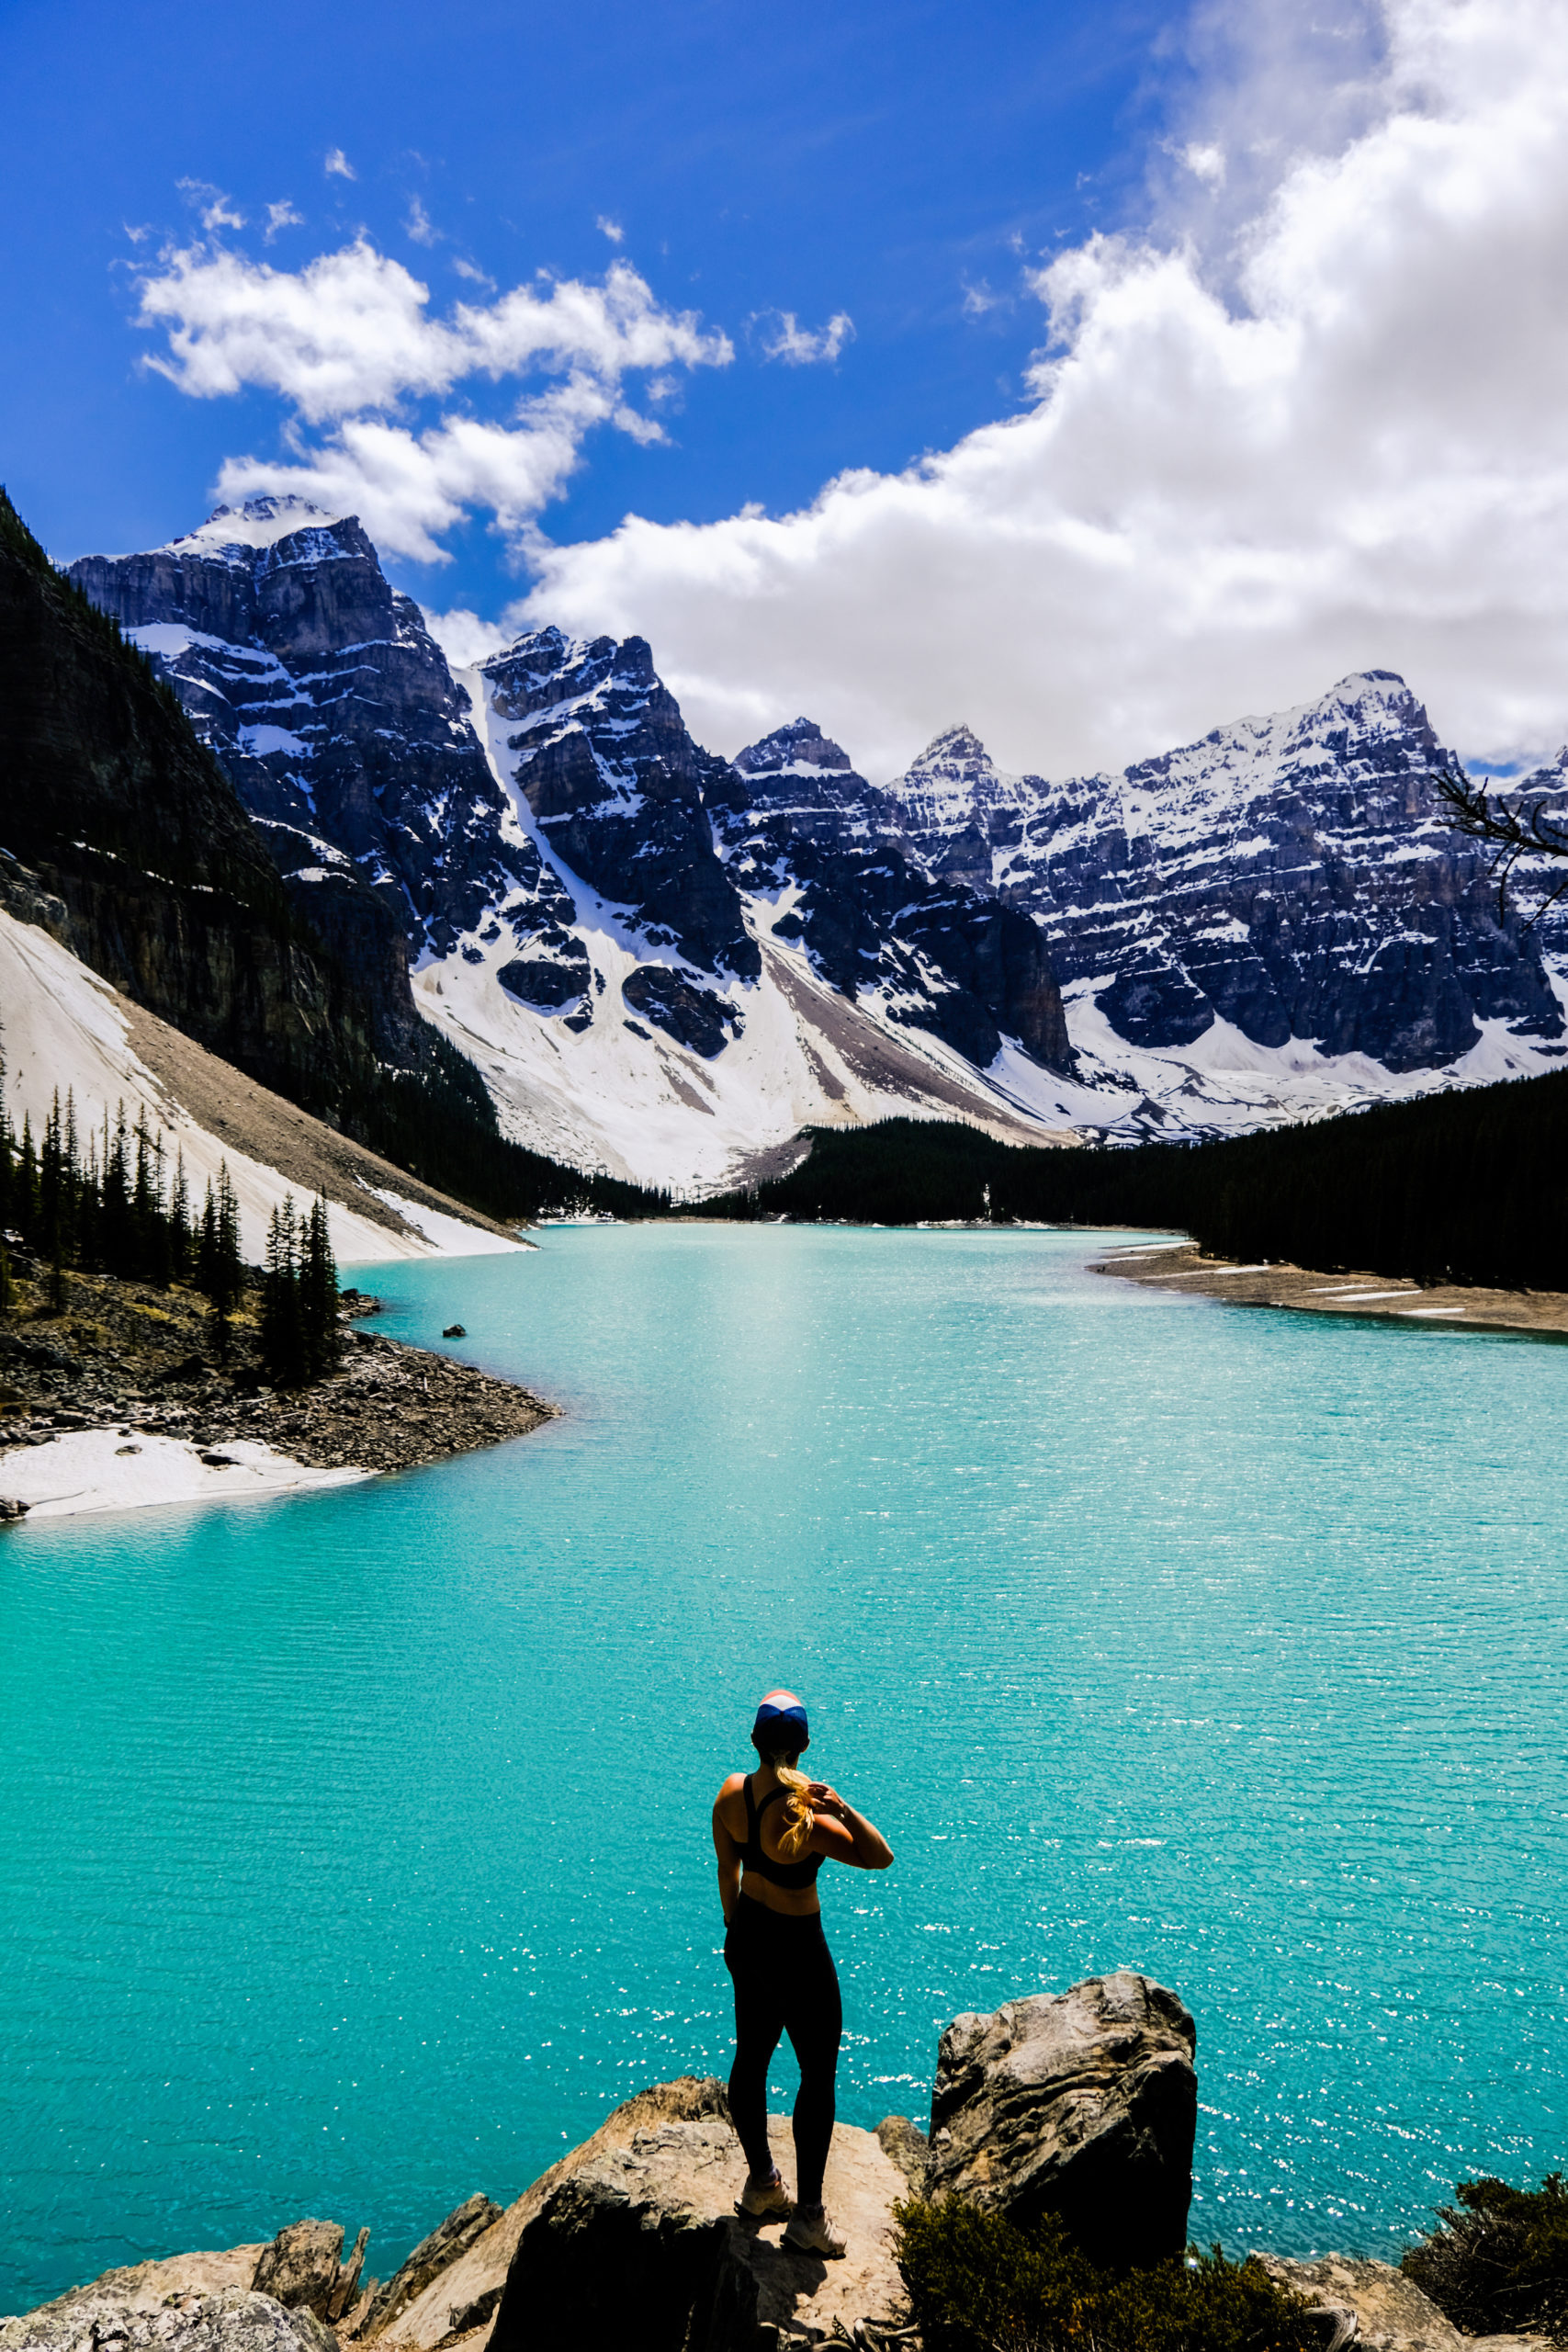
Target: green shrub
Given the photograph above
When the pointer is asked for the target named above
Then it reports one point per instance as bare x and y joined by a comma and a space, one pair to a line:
977, 2284
1497, 2264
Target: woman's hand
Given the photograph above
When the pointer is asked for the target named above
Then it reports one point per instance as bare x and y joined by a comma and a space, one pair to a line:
822, 1798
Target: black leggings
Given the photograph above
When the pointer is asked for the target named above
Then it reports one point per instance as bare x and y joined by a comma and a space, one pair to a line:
785, 1983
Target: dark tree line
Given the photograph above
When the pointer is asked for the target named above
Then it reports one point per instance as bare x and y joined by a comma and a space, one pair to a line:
106, 1200
1469, 1186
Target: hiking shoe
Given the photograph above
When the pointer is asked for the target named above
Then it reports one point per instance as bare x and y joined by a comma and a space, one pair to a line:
813, 2233
764, 2199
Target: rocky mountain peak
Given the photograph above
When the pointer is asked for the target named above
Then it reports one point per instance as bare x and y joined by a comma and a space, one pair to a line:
332, 711
800, 746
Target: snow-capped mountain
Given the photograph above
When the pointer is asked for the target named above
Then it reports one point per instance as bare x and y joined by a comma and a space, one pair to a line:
1291, 877
664, 963
574, 877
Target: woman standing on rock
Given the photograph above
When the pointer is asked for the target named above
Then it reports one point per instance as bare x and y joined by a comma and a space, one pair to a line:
778, 1829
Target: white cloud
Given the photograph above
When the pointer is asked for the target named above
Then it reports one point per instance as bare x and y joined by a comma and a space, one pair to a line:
215, 209
464, 637
282, 216
612, 229
336, 165
980, 297
1327, 430
349, 340
420, 226
1206, 160
784, 338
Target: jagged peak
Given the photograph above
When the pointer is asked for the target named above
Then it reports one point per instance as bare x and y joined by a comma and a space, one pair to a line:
801, 743
259, 523
955, 746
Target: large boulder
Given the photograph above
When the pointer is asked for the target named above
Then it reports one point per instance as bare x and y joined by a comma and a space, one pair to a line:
303, 2270
1083, 2105
636, 2234
465, 2296
232, 2319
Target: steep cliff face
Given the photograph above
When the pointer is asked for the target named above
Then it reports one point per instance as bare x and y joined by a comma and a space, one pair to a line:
617, 790
1291, 875
572, 873
800, 826
334, 715
135, 831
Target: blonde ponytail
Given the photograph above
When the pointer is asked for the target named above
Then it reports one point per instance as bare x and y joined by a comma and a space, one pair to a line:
800, 1819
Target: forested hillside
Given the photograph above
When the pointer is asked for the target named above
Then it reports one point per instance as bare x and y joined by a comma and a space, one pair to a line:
1465, 1187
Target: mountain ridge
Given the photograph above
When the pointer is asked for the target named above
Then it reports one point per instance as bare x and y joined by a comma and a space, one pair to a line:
667, 964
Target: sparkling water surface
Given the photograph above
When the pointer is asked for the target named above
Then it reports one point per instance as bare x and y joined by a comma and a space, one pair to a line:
354, 1849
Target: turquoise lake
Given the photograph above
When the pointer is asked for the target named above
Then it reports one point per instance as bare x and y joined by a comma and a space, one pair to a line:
354, 1849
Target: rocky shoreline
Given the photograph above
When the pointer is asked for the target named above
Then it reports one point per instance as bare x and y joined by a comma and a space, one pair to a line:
1081, 2106
1185, 1270
148, 1369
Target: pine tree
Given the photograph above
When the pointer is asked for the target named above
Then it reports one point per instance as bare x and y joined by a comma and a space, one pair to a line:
180, 1237
283, 1346
318, 1292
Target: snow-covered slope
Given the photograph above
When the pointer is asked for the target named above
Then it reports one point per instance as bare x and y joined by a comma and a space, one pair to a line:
664, 963
66, 1032
705, 1083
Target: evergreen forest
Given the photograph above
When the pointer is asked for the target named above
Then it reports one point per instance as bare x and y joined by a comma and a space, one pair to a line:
1470, 1186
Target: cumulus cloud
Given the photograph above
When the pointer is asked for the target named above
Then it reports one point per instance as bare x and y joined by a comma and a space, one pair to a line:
338, 167
350, 340
465, 638
783, 337
1319, 425
420, 226
611, 229
282, 216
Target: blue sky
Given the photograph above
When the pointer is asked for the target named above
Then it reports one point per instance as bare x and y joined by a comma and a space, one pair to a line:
870, 159
1092, 373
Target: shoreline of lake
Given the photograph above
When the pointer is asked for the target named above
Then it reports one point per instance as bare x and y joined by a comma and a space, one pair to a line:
120, 1402
1189, 1271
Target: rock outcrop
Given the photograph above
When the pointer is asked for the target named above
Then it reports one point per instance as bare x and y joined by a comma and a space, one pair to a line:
232, 2319
303, 2270
641, 2222
1082, 2105
1388, 2311
435, 2255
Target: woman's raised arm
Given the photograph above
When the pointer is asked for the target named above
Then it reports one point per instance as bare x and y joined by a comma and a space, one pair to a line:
868, 1850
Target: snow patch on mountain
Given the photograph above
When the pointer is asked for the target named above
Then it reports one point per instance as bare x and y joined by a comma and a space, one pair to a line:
68, 1032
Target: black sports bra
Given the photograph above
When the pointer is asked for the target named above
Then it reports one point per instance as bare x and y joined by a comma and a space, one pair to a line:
793, 1874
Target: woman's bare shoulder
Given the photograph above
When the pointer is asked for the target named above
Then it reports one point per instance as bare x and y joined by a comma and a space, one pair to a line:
729, 1793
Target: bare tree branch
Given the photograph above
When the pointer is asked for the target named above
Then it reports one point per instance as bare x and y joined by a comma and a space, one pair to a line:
1539, 831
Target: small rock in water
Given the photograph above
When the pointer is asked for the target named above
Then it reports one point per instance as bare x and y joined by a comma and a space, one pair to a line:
455, 1331
10, 1508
